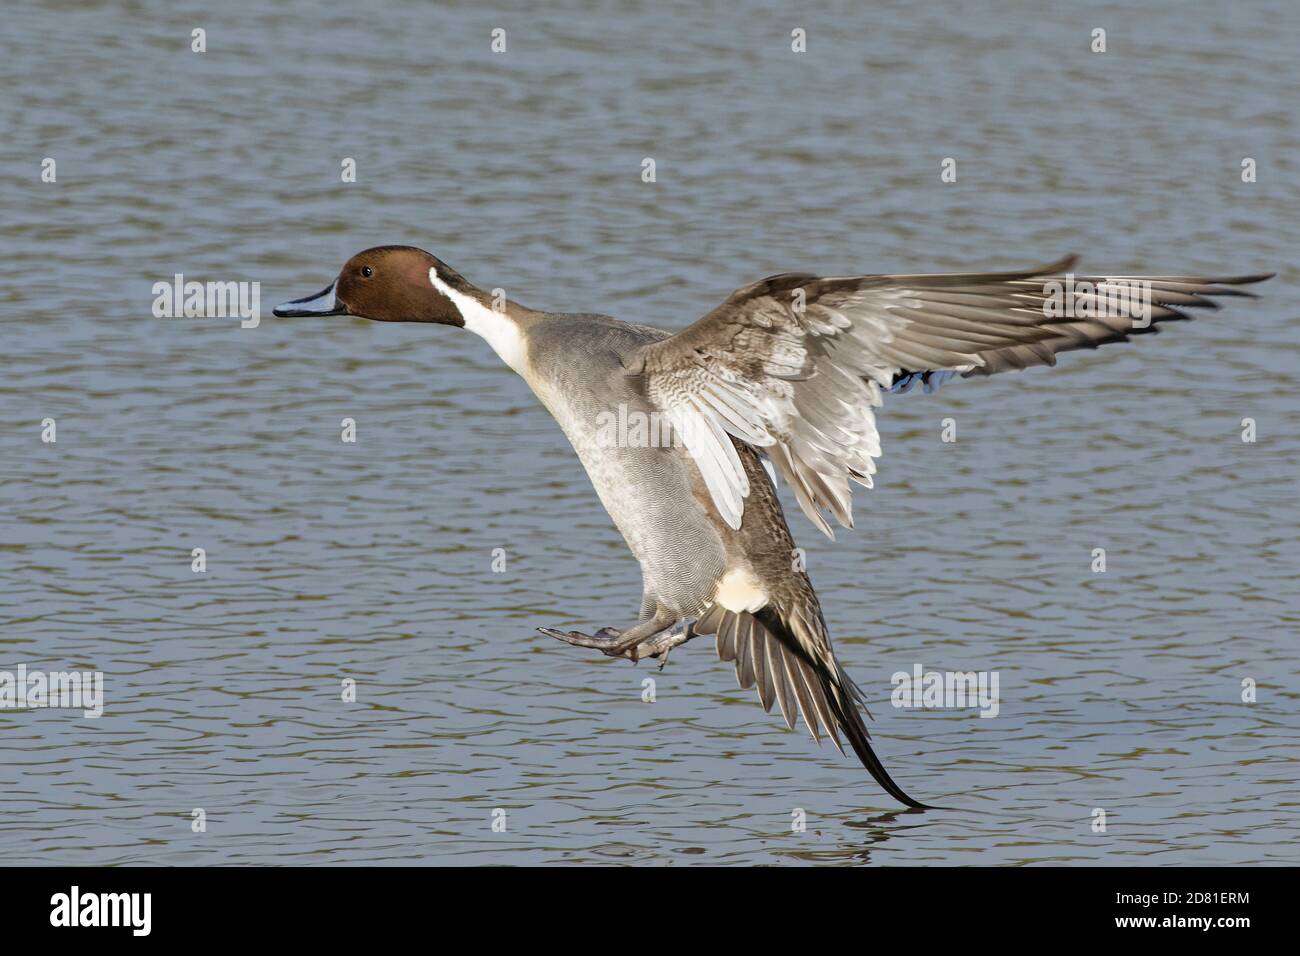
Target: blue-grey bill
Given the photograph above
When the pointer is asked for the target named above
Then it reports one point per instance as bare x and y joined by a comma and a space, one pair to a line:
323, 302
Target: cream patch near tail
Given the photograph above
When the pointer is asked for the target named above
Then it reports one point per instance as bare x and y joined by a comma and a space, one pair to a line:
740, 591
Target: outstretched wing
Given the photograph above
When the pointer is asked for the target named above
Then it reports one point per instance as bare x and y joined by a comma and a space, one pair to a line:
795, 363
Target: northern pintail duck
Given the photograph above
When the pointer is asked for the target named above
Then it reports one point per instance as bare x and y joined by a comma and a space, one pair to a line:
783, 377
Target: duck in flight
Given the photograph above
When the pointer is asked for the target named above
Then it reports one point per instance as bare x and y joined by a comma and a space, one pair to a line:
782, 377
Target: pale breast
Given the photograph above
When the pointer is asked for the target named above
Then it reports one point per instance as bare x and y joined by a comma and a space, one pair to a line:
644, 478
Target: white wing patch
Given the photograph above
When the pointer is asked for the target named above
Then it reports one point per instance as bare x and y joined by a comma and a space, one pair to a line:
715, 456
820, 436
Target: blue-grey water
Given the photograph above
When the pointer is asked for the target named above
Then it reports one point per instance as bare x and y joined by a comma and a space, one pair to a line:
328, 561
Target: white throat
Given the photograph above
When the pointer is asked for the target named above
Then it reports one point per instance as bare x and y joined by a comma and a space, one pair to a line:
495, 327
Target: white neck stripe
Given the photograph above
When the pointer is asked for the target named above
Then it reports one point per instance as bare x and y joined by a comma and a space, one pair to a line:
494, 327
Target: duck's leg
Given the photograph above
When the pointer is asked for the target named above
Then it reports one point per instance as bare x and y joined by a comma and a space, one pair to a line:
611, 641
651, 638
663, 642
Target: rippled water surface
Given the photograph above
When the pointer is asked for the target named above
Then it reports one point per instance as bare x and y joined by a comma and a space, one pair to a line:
373, 561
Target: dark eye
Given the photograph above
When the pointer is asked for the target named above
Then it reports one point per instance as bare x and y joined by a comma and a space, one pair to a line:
367, 271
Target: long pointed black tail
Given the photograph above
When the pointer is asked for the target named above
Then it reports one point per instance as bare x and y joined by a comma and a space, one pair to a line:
849, 718
808, 676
